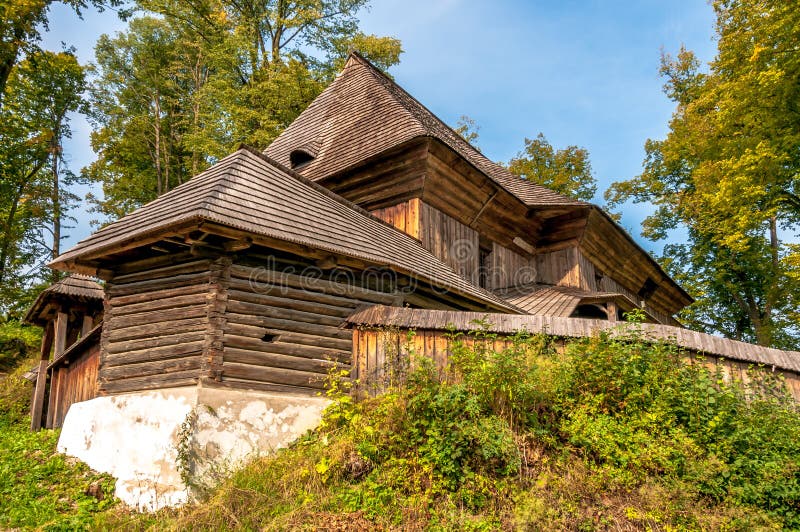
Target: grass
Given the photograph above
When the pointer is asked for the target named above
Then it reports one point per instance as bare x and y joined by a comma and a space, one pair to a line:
42, 489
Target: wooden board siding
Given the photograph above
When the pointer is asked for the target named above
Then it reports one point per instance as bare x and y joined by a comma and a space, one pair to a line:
404, 216
383, 354
156, 327
508, 268
562, 268
73, 383
452, 242
458, 189
618, 256
302, 317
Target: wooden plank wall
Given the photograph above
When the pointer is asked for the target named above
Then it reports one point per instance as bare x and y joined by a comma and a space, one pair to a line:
404, 216
155, 327
451, 241
378, 352
508, 268
561, 268
73, 383
302, 315
619, 258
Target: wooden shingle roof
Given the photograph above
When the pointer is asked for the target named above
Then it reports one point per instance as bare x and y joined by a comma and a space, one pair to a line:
75, 287
364, 113
249, 192
548, 300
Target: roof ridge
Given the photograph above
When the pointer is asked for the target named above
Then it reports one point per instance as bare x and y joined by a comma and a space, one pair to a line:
384, 79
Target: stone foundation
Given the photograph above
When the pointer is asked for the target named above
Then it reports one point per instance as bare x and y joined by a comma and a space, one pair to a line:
154, 441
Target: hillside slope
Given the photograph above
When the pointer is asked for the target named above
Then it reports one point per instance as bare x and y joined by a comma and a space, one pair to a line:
606, 434
613, 434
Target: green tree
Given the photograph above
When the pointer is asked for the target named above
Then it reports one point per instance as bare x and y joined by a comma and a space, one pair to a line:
20, 22
567, 171
183, 88
728, 173
41, 92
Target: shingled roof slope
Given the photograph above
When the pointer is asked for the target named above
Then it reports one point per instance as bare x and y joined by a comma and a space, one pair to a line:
249, 192
76, 286
548, 300
364, 113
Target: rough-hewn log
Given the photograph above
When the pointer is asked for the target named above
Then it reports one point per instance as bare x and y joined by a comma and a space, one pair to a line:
284, 301
312, 330
122, 302
156, 353
277, 360
306, 351
167, 339
244, 384
157, 284
274, 375
158, 367
153, 329
154, 382
166, 303
170, 271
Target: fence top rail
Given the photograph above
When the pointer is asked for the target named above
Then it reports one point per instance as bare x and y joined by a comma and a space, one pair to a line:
408, 318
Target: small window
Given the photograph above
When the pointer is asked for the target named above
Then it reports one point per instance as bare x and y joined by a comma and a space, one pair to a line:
300, 158
270, 338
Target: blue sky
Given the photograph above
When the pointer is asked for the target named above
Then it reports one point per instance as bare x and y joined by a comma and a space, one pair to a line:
581, 72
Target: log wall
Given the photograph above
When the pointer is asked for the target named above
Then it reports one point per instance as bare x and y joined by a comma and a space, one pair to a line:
282, 330
377, 352
156, 326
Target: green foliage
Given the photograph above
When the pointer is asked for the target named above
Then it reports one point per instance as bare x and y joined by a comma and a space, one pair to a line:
41, 93
42, 489
187, 83
727, 173
17, 342
20, 24
468, 129
607, 432
567, 171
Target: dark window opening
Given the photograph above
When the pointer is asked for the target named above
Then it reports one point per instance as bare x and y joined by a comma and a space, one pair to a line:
647, 289
484, 261
598, 279
300, 158
270, 338
593, 312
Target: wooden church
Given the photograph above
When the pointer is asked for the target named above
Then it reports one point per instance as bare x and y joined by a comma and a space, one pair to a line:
244, 277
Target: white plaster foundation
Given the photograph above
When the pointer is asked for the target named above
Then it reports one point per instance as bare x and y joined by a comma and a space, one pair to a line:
135, 436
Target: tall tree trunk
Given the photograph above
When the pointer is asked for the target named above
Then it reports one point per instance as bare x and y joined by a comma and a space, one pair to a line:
56, 199
157, 147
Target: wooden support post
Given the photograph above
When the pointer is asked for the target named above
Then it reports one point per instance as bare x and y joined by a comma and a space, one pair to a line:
41, 379
60, 340
86, 327
59, 345
611, 310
